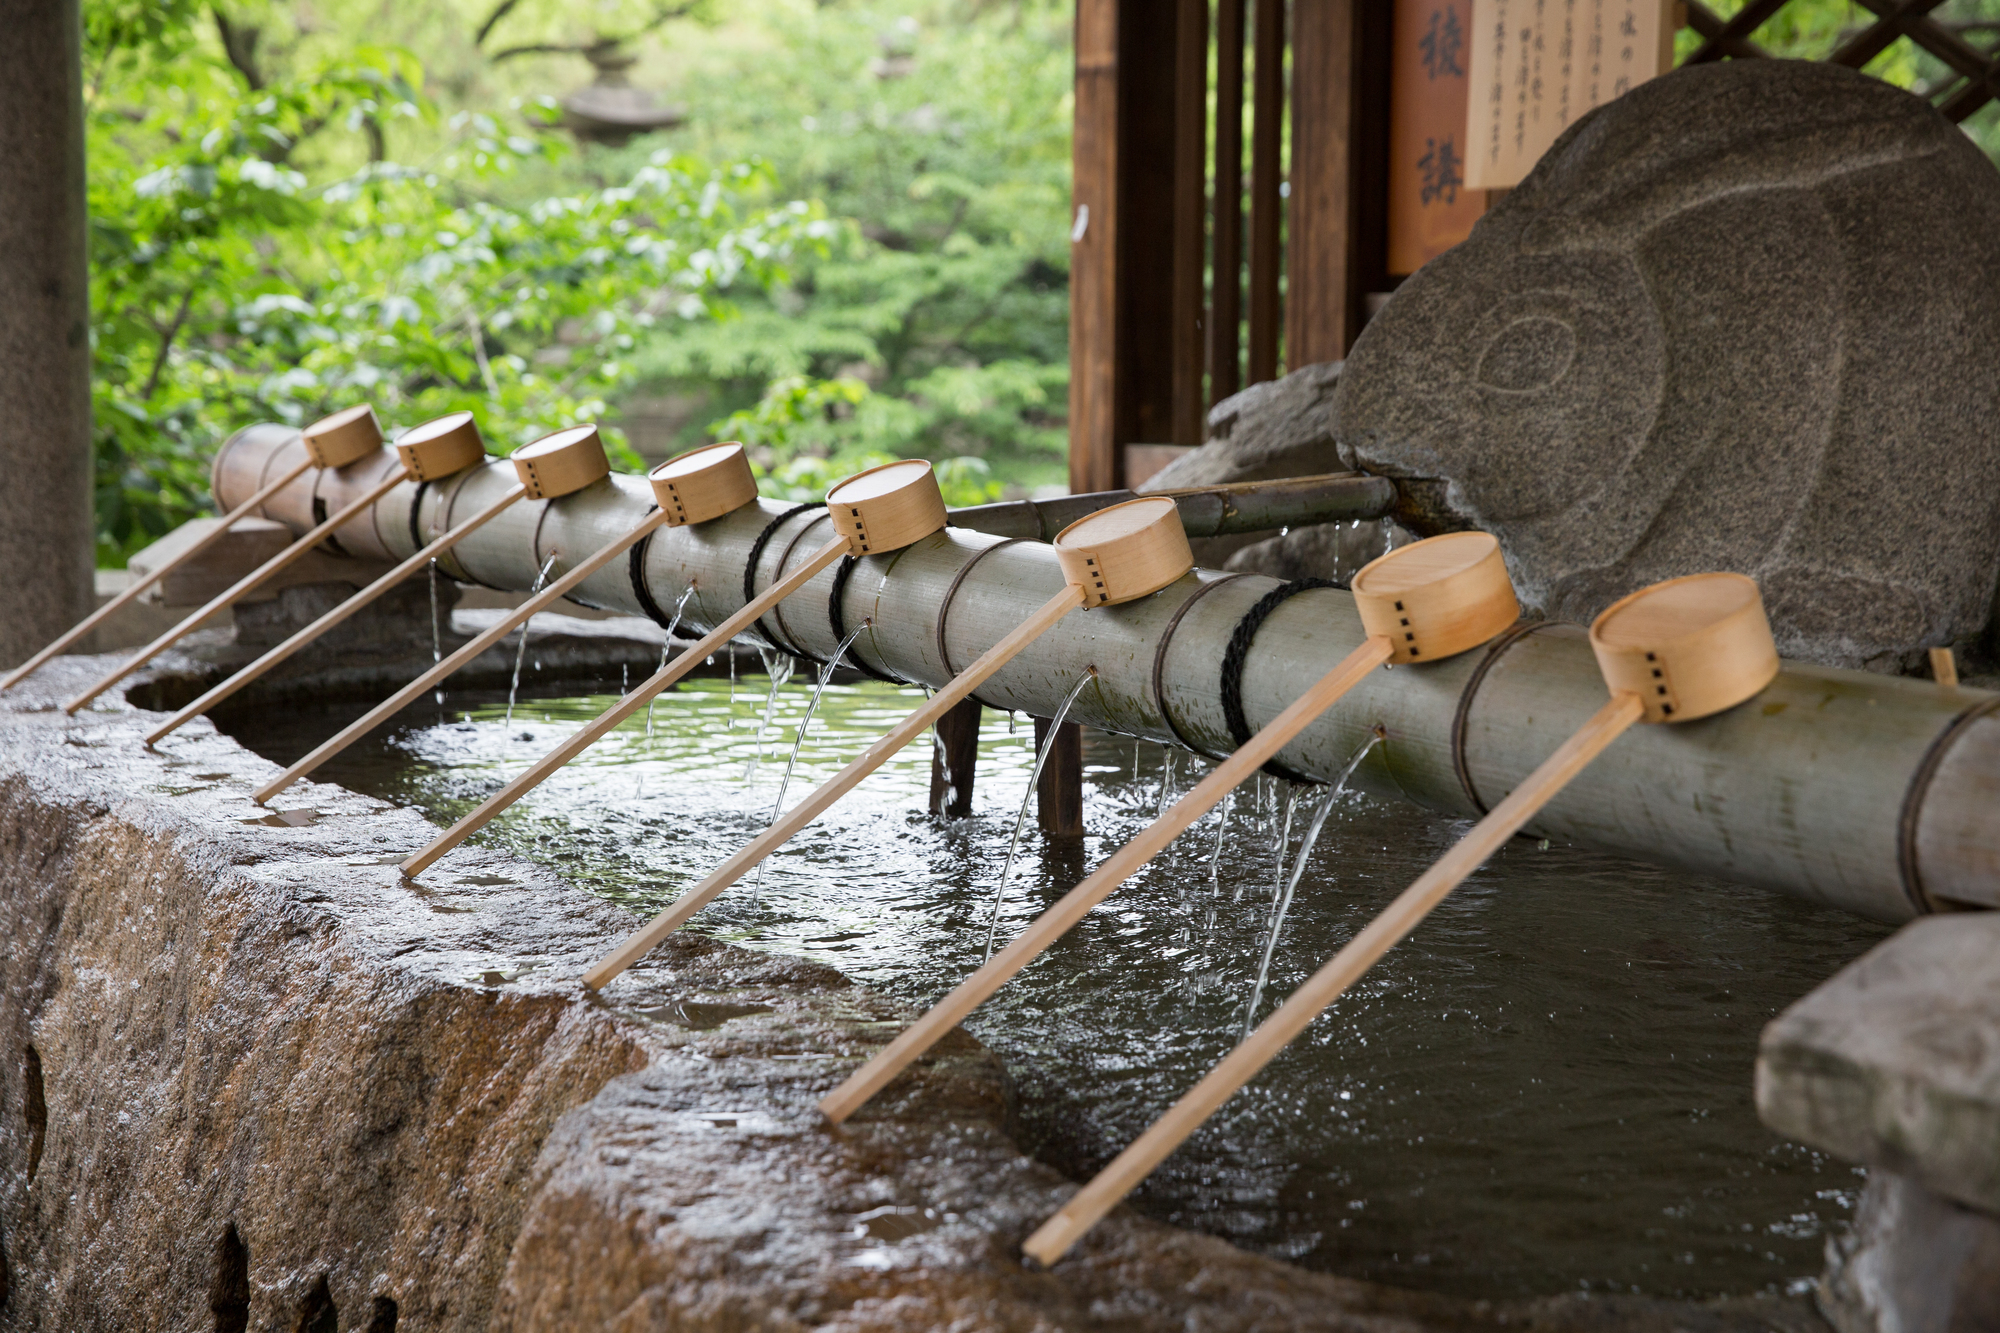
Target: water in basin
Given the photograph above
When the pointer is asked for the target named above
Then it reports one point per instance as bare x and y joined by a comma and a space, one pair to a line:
1547, 1088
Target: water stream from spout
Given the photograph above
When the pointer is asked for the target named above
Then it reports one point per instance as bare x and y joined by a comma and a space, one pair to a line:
1021, 817
521, 649
437, 634
799, 740
778, 666
667, 647
1291, 882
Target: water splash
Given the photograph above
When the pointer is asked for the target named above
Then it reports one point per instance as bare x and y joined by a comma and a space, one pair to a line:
778, 666
731, 650
1166, 782
1277, 829
667, 647
1291, 883
799, 740
1021, 818
521, 649
942, 760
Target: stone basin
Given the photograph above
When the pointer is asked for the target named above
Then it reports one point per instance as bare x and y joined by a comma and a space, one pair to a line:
256, 1081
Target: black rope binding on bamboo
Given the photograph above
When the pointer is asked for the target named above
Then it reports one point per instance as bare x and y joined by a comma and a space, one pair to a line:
1461, 716
1239, 650
636, 570
756, 554
837, 618
1910, 821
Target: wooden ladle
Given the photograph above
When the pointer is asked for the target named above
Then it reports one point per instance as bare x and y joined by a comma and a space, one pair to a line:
348, 436
1117, 554
544, 467
1674, 652
437, 448
1420, 603
891, 506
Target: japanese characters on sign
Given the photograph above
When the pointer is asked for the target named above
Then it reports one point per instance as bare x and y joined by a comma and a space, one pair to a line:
1536, 66
1430, 207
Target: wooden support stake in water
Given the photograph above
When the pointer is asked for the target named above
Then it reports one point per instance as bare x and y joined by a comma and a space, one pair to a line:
1419, 603
1674, 652
347, 436
1118, 554
351, 429
539, 473
694, 487
955, 760
432, 450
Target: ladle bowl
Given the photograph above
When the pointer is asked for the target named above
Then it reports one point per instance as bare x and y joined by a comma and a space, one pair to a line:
344, 437
1126, 551
703, 484
1436, 598
441, 446
1689, 647
561, 463
887, 507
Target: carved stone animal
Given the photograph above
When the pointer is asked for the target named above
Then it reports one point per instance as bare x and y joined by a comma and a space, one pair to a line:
1746, 317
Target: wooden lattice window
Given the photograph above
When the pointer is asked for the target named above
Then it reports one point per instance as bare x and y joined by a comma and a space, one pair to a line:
1946, 51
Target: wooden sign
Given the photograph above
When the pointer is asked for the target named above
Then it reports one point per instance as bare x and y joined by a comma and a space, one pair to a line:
1536, 66
1431, 208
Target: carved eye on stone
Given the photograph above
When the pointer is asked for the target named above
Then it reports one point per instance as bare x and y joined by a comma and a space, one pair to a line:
1529, 354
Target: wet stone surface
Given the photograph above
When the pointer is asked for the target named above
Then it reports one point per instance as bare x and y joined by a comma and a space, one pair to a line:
248, 1068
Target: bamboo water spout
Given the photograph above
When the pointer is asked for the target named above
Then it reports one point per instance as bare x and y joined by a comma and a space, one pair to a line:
1116, 555
1861, 791
1672, 653
1420, 604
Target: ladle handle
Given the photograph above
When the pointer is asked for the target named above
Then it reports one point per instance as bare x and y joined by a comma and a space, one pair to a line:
138, 586
1051, 925
816, 802
625, 707
485, 639
354, 605
289, 556
1055, 1236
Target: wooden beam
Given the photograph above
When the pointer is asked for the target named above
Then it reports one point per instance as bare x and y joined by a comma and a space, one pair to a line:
1267, 111
1190, 240
1225, 316
1059, 793
1337, 248
1093, 259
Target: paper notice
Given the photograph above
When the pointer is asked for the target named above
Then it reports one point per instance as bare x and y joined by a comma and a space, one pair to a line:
1538, 65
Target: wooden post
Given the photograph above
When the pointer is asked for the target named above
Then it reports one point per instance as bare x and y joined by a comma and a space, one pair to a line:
1122, 238
1337, 234
1190, 239
954, 760
1225, 315
1059, 791
1267, 120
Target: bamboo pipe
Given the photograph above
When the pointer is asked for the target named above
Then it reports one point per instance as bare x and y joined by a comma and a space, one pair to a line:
695, 487
1674, 652
332, 442
347, 423
1115, 555
520, 615
434, 449
1420, 603
1846, 789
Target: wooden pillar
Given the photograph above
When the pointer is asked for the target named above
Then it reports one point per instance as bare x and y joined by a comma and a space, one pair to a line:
1122, 306
1337, 242
1190, 184
955, 760
47, 536
1059, 794
1267, 123
1225, 374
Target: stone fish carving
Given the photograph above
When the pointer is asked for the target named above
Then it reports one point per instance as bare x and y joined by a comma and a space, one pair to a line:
1746, 317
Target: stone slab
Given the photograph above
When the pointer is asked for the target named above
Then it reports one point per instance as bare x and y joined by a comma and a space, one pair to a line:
1895, 1061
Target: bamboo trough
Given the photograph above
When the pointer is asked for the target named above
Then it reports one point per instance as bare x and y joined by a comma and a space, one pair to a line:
1874, 794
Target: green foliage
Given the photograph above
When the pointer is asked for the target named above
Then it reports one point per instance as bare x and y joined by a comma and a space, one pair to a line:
944, 131
229, 286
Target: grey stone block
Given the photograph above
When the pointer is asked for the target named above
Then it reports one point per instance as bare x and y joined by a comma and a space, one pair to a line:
1914, 1262
1895, 1061
1742, 318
